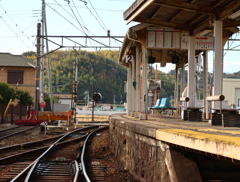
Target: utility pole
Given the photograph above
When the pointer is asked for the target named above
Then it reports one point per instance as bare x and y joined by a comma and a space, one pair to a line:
48, 56
42, 58
38, 67
74, 93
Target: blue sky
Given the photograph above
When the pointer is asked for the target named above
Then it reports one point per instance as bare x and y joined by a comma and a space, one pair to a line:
18, 24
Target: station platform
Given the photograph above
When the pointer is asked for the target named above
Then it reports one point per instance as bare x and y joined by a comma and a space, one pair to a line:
199, 136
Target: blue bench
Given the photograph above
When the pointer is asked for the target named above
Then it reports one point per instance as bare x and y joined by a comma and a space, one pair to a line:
158, 102
164, 103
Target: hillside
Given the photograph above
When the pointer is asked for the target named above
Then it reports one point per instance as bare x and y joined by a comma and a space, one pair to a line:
99, 69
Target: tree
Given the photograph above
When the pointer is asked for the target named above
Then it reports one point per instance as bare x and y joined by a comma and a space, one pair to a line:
6, 93
23, 97
30, 55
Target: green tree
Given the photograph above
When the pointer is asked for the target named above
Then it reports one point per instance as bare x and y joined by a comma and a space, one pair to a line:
6, 93
24, 98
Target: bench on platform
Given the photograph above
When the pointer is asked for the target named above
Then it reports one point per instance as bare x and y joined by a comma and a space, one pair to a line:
164, 104
158, 102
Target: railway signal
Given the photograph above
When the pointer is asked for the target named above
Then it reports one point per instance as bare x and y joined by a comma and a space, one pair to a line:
97, 97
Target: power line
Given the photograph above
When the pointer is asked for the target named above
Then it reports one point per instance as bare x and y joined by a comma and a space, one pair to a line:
15, 33
64, 17
15, 23
76, 18
98, 16
80, 18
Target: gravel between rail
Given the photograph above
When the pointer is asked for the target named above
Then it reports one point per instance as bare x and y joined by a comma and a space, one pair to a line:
114, 170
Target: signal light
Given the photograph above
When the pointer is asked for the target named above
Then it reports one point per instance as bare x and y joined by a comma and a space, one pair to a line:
97, 97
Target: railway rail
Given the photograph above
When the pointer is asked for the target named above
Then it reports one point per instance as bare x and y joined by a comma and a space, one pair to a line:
15, 131
59, 161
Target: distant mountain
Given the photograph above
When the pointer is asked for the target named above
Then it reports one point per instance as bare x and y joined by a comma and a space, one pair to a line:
231, 75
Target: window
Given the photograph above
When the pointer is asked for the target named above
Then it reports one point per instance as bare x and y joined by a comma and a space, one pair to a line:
15, 76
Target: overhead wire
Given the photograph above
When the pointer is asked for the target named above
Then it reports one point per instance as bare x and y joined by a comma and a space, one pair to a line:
73, 16
15, 33
103, 25
16, 26
63, 17
81, 19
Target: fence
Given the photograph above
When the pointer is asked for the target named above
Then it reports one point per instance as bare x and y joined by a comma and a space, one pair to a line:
13, 113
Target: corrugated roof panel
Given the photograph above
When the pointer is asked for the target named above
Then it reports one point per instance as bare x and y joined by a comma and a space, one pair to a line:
7, 59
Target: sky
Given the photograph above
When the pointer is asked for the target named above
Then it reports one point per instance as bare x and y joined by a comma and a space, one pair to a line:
18, 20
18, 25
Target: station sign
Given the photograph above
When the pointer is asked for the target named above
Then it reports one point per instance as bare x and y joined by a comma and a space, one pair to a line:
169, 38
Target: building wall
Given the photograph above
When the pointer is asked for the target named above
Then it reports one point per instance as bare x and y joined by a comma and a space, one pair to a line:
229, 89
29, 83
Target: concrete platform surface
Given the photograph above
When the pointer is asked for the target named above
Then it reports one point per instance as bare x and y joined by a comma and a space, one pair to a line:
199, 136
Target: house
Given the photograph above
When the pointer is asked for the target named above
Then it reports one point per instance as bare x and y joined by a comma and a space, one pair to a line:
231, 91
65, 99
16, 70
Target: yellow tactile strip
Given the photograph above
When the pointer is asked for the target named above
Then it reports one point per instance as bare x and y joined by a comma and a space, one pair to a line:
203, 136
158, 122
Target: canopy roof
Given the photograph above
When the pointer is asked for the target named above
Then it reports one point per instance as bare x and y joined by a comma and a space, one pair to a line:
193, 16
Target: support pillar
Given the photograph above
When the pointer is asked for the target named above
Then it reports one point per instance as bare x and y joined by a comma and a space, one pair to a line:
218, 60
133, 88
176, 89
129, 87
144, 84
191, 74
138, 57
205, 88
183, 78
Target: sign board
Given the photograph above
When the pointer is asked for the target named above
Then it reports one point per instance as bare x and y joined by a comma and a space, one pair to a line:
164, 37
43, 104
154, 84
201, 42
129, 58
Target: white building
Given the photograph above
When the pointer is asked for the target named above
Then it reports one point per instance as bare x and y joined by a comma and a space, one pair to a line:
231, 91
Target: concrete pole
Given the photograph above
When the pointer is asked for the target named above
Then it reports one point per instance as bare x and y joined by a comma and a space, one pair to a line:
218, 57
137, 104
144, 79
191, 74
205, 88
129, 87
41, 87
37, 93
133, 88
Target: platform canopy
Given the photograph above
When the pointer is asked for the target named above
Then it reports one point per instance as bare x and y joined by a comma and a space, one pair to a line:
194, 17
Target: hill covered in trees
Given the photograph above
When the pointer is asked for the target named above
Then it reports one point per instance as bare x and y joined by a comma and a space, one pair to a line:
95, 69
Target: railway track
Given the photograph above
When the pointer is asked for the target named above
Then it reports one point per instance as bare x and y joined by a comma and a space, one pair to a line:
59, 161
15, 131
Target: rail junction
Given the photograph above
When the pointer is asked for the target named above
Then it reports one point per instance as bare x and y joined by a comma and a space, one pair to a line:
60, 157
